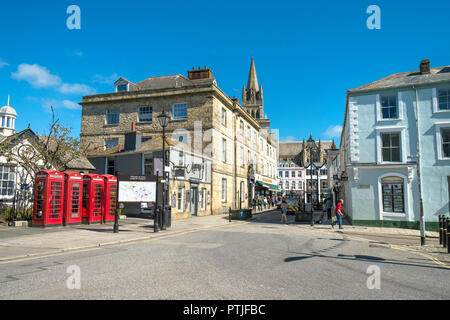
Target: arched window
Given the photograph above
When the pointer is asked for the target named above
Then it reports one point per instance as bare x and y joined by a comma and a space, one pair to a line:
257, 114
292, 165
393, 194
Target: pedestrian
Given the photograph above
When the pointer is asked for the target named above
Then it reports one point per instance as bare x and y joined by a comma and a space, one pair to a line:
260, 202
265, 203
328, 206
284, 207
254, 204
339, 214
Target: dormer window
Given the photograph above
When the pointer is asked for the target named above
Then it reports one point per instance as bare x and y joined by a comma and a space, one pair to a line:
122, 87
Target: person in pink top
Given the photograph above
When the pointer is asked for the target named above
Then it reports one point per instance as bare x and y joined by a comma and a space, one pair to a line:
339, 214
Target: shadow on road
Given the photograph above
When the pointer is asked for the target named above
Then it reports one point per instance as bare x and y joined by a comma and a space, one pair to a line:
363, 258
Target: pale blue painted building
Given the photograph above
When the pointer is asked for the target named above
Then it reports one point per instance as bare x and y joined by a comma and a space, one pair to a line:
395, 128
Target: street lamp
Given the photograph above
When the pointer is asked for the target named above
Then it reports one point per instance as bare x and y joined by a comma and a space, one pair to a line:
164, 119
311, 147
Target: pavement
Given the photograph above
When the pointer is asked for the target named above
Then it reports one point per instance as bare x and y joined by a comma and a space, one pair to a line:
18, 243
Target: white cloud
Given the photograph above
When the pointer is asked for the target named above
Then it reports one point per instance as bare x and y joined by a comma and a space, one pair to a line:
3, 63
58, 104
37, 76
99, 78
76, 89
333, 131
40, 77
78, 53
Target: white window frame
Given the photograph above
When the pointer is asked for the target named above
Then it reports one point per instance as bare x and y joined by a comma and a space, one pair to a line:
118, 117
180, 209
439, 142
435, 101
224, 190
173, 111
121, 84
383, 214
224, 150
400, 107
224, 117
2, 166
402, 131
139, 112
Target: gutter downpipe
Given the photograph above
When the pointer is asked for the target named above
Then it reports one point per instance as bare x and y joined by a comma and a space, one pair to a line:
419, 166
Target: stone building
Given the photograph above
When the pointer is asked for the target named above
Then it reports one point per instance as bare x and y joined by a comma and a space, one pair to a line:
297, 175
203, 117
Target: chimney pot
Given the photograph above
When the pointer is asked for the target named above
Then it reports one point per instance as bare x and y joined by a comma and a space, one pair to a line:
425, 66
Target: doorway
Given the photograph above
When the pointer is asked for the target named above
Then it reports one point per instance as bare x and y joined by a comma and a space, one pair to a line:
194, 201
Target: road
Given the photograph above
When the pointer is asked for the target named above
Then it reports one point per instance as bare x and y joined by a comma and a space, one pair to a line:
258, 260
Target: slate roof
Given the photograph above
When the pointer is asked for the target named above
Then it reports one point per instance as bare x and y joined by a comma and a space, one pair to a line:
165, 82
150, 145
407, 79
80, 163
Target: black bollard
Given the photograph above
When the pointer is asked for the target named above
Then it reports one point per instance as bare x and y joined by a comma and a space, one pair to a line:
229, 214
156, 218
448, 235
444, 233
441, 226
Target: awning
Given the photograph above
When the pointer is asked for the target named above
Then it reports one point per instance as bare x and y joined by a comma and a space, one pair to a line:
268, 186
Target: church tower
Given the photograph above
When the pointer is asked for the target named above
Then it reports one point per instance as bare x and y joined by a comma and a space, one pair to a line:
252, 96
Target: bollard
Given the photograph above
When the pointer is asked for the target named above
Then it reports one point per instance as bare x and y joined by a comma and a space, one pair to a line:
229, 214
448, 235
444, 233
441, 226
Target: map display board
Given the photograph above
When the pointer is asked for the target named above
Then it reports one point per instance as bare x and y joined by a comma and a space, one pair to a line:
137, 191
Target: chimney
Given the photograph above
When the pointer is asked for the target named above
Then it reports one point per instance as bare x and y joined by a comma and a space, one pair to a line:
133, 140
205, 73
425, 66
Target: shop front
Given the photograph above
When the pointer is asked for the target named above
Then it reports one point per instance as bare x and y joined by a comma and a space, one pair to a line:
265, 186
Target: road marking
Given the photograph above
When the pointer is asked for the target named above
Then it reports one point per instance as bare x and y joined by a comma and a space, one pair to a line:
118, 243
392, 246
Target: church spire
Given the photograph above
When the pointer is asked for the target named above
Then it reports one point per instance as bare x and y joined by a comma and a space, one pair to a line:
252, 78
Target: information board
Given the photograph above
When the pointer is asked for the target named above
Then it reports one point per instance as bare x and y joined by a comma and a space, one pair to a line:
137, 191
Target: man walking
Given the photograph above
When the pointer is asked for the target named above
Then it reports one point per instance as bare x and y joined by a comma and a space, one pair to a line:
328, 206
260, 202
339, 214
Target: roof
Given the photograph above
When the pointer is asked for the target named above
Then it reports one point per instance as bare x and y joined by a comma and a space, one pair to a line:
407, 79
80, 163
8, 110
150, 145
165, 82
290, 150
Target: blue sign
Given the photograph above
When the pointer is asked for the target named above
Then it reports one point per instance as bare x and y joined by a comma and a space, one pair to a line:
241, 213
25, 186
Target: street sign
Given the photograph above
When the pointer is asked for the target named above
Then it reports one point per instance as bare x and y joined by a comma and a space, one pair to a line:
25, 186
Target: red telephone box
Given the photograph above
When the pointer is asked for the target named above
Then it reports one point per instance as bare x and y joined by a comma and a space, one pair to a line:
110, 200
73, 190
48, 198
93, 186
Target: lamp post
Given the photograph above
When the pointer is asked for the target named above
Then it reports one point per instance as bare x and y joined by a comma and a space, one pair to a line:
311, 147
164, 119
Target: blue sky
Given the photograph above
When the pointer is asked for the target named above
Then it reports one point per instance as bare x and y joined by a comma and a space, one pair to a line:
307, 54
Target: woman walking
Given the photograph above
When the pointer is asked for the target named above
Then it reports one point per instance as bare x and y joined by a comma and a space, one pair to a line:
284, 207
339, 214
